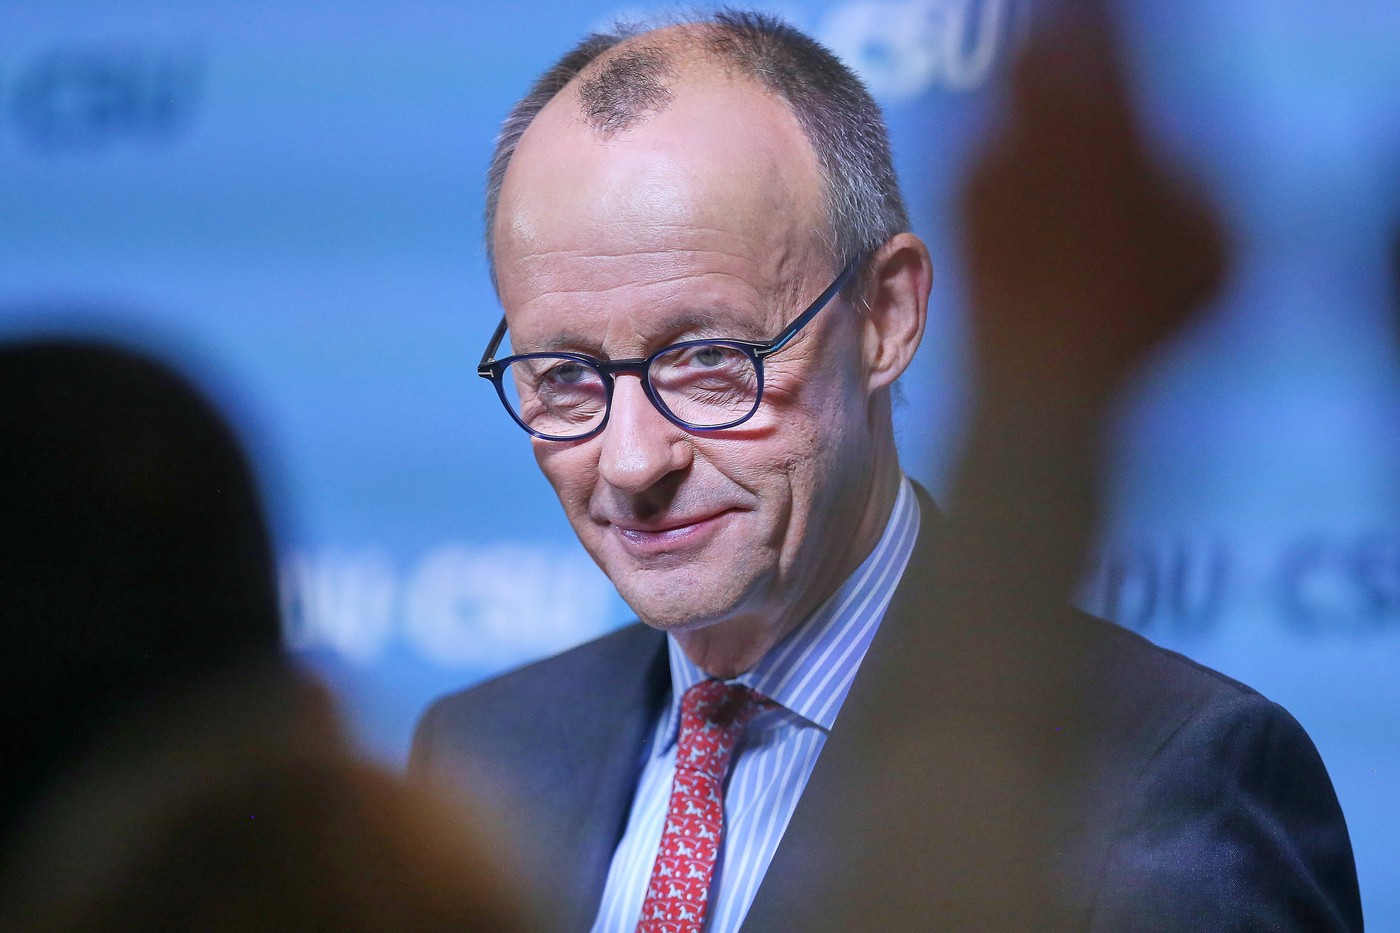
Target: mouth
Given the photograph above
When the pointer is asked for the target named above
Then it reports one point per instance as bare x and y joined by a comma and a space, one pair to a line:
670, 535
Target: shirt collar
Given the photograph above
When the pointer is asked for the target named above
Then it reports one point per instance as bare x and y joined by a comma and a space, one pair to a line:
811, 670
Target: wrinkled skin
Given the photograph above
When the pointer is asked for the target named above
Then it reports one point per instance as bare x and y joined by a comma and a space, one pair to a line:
704, 221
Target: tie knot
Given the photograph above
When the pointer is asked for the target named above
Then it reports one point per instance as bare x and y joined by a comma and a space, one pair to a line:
713, 716
721, 704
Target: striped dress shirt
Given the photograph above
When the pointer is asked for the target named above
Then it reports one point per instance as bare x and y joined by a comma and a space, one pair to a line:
808, 675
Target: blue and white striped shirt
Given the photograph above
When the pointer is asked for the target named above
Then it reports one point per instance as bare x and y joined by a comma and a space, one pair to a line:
808, 675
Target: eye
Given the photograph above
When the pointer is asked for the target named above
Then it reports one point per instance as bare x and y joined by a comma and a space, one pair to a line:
705, 356
566, 372
710, 356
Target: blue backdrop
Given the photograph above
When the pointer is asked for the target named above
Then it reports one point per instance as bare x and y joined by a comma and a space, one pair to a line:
284, 195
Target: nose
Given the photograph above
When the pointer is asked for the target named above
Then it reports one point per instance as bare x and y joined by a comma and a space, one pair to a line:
640, 446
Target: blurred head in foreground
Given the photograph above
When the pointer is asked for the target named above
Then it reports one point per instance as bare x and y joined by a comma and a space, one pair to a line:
135, 559
163, 767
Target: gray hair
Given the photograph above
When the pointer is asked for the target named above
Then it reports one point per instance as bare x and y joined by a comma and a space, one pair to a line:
840, 119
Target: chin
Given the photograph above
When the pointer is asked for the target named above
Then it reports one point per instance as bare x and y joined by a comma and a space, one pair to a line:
694, 605
670, 617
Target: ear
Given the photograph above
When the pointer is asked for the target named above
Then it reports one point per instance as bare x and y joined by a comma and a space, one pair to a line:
894, 307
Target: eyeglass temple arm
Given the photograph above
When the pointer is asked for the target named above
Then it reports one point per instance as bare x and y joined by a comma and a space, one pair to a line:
802, 319
483, 368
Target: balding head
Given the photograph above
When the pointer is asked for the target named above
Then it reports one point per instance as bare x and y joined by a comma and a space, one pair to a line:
621, 78
721, 158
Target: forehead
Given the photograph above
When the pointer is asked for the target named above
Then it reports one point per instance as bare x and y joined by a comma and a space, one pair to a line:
711, 206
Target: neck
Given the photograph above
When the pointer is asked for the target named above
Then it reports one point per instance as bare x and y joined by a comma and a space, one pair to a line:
729, 648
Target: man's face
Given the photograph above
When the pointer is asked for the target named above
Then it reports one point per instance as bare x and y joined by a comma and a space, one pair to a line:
702, 221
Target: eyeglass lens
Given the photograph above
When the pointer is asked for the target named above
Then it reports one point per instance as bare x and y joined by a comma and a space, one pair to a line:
704, 385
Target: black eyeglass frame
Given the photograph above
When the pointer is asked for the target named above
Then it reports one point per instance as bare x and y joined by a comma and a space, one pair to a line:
495, 370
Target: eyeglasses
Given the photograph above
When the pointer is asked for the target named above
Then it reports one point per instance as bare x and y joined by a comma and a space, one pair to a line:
699, 385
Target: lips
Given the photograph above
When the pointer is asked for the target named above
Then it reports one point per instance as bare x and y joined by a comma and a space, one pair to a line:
671, 534
664, 525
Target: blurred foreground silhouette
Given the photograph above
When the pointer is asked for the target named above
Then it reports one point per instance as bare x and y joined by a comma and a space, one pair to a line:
164, 766
1083, 254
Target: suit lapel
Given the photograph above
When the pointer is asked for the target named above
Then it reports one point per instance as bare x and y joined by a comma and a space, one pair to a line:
599, 764
804, 855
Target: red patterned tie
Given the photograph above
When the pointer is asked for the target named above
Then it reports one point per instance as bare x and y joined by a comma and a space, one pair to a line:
713, 716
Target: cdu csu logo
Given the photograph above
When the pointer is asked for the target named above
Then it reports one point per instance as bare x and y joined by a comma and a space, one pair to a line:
91, 99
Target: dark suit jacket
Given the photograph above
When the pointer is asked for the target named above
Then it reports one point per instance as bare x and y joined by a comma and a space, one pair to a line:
1186, 800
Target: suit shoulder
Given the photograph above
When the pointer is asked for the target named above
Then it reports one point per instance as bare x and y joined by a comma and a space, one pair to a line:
1209, 805
624, 663
1118, 653
1217, 810
561, 674
1145, 698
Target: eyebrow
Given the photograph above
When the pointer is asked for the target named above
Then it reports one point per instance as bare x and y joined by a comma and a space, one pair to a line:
692, 324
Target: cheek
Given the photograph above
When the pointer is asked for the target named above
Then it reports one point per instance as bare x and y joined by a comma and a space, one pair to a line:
570, 469
817, 376
818, 432
814, 409
780, 461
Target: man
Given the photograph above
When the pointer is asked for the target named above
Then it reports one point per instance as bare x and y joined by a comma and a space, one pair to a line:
710, 286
